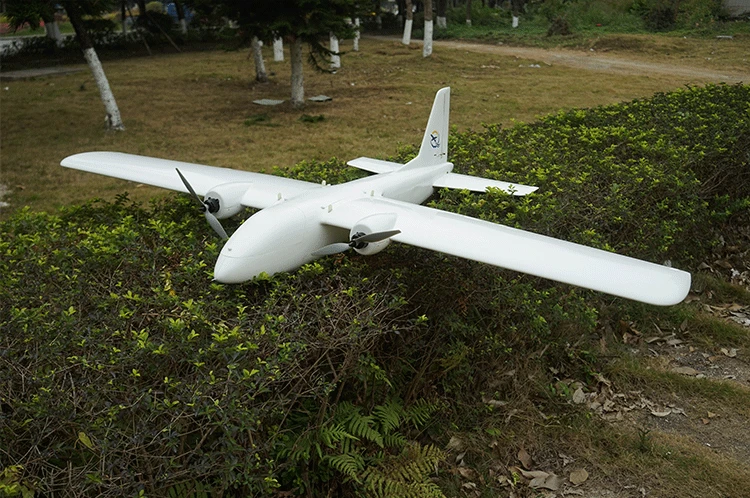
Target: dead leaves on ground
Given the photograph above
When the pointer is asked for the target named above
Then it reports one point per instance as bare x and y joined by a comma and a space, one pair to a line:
517, 478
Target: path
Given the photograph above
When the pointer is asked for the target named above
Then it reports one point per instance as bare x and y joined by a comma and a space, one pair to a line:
593, 61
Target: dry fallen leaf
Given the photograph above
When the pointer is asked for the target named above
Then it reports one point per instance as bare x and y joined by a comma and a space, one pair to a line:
467, 473
455, 444
525, 458
732, 353
579, 396
578, 476
685, 371
661, 414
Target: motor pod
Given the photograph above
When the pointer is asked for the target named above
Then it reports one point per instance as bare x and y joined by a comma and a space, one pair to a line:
380, 222
229, 197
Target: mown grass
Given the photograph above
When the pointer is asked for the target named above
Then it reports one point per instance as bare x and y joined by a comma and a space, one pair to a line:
195, 107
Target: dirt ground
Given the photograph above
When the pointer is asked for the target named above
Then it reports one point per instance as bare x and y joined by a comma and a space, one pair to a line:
602, 59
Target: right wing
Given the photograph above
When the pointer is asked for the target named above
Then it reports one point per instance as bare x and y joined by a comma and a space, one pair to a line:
519, 250
263, 190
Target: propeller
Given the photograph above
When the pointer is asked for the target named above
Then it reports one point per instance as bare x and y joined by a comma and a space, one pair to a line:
208, 206
359, 241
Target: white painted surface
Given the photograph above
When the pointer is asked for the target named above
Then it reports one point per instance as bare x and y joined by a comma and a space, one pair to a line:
355, 43
427, 47
278, 49
260, 65
334, 47
298, 78
407, 32
113, 120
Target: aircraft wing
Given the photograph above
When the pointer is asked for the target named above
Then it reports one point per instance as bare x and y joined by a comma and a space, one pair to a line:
262, 191
519, 250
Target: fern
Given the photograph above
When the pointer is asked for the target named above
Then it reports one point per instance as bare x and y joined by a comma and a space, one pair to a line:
350, 464
369, 450
405, 475
388, 415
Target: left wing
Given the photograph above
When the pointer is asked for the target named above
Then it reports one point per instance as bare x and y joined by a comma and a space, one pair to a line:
262, 190
522, 251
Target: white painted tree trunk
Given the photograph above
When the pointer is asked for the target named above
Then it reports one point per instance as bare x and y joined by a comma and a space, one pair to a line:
407, 32
442, 22
515, 21
260, 65
53, 32
334, 47
113, 120
427, 48
298, 82
278, 49
355, 46
183, 26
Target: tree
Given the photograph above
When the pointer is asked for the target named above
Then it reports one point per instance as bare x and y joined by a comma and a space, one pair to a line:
408, 23
260, 66
442, 8
76, 9
427, 47
300, 23
32, 11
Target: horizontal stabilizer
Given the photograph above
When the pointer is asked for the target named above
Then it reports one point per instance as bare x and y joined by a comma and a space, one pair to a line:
479, 184
374, 165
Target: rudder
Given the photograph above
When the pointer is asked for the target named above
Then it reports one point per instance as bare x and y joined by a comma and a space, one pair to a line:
434, 149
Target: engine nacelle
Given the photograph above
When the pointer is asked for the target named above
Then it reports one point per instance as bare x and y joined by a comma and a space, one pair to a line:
229, 196
374, 223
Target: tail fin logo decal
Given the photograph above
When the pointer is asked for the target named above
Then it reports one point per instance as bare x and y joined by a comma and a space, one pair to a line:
435, 139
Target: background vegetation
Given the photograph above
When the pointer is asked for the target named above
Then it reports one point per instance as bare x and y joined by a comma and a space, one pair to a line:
126, 371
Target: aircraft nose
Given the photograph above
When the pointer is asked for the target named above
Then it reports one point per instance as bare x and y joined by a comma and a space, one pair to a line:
229, 270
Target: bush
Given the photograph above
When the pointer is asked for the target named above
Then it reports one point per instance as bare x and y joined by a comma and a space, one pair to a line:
126, 371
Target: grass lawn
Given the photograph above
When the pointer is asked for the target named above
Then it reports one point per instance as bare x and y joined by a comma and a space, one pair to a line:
198, 107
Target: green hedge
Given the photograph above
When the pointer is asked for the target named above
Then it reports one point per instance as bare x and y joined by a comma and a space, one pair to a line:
124, 370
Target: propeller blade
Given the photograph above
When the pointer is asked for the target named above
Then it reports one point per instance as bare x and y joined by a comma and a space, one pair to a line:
190, 189
212, 220
330, 249
377, 236
215, 224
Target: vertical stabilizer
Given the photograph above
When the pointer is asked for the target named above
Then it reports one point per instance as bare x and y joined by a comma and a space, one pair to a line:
434, 149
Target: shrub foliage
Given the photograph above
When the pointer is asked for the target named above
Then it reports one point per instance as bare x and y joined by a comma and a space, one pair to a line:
126, 371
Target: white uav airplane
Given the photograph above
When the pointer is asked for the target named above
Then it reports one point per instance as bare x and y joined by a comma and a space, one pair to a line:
301, 221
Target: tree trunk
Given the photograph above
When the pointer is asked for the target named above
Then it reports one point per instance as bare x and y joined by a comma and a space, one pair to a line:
442, 8
468, 12
53, 31
355, 43
427, 48
260, 66
408, 23
334, 47
113, 119
181, 16
516, 6
278, 49
378, 14
123, 17
298, 83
